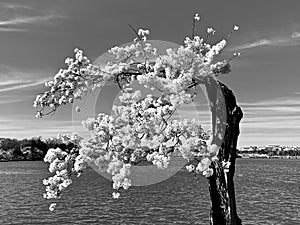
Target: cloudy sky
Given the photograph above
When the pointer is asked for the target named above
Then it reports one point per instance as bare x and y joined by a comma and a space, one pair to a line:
36, 37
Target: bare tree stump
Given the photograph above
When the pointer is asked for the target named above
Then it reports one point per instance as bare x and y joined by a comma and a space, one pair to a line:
226, 116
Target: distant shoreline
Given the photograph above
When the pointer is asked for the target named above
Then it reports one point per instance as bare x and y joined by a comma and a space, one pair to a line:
239, 157
22, 160
266, 157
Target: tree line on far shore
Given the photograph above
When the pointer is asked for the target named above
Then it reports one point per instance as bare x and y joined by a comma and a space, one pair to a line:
272, 151
28, 149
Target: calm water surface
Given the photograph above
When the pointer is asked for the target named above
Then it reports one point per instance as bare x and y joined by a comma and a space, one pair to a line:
268, 192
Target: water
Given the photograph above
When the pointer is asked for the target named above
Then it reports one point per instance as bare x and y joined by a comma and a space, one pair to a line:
267, 192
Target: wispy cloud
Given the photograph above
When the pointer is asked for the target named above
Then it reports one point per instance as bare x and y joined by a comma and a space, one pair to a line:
28, 20
16, 127
22, 86
296, 35
14, 6
255, 44
11, 99
16, 17
272, 121
282, 101
10, 29
294, 39
14, 79
281, 107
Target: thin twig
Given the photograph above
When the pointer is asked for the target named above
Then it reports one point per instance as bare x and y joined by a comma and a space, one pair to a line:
141, 41
193, 28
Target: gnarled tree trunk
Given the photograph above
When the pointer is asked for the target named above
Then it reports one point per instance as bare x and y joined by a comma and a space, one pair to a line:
226, 116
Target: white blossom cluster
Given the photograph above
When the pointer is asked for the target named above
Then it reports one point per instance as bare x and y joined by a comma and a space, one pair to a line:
220, 68
196, 17
203, 166
158, 159
80, 78
140, 128
62, 166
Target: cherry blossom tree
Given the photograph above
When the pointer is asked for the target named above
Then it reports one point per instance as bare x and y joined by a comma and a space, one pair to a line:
142, 128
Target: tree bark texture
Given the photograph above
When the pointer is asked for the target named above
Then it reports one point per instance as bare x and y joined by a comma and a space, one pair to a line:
226, 116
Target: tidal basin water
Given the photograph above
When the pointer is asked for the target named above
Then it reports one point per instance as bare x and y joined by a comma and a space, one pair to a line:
267, 192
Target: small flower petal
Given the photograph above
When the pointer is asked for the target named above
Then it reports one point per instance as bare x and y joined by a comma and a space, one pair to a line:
52, 207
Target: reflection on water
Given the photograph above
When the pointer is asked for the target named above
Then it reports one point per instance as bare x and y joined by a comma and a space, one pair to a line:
267, 193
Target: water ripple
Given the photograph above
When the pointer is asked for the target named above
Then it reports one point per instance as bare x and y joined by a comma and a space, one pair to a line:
267, 192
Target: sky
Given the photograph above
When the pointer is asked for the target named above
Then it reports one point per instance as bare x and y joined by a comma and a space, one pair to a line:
37, 35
